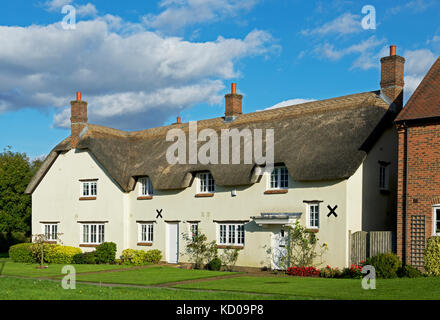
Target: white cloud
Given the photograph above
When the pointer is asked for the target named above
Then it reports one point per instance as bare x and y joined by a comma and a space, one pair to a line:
366, 50
347, 23
288, 103
88, 9
131, 80
418, 63
180, 13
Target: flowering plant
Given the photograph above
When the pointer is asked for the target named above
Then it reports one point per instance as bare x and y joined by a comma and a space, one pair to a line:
329, 272
303, 271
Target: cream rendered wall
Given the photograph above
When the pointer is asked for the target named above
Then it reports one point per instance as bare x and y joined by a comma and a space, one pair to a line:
250, 201
379, 208
57, 199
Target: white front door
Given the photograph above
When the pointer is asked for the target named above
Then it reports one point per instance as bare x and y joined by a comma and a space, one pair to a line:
172, 235
279, 251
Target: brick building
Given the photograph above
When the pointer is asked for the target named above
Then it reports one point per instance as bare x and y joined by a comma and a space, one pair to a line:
418, 200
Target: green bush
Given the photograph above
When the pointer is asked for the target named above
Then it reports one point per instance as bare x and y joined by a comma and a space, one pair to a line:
409, 272
84, 258
133, 257
386, 265
106, 252
58, 254
329, 272
432, 256
22, 253
153, 256
215, 264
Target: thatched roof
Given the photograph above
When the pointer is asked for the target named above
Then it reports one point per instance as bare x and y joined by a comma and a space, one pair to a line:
321, 140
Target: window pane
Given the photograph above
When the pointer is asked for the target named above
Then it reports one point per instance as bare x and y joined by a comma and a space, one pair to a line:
101, 233
210, 183
86, 233
222, 234
93, 189
93, 233
54, 231
231, 234
240, 229
274, 179
284, 178
150, 233
85, 189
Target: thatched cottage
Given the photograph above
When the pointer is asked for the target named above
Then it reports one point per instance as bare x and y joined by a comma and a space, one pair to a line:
335, 173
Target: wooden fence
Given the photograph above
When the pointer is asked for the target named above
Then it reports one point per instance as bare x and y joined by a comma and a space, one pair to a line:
368, 244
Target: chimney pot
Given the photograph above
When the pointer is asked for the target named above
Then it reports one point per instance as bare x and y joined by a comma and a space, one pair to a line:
234, 88
78, 96
179, 120
78, 119
393, 50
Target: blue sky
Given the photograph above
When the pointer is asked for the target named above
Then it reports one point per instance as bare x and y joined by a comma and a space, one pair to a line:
142, 63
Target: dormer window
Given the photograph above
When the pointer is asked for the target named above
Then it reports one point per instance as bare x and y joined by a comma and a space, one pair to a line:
206, 184
279, 179
89, 189
146, 187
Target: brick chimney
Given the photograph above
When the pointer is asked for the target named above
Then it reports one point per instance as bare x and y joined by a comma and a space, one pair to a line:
392, 77
233, 103
78, 120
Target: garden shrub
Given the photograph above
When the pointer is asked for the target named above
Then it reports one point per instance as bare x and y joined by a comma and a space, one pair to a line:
199, 250
153, 256
61, 254
329, 272
432, 256
106, 252
229, 258
215, 264
386, 265
84, 258
409, 271
22, 253
303, 271
355, 271
133, 257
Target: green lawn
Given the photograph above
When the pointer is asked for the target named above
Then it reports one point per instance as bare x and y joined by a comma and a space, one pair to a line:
25, 289
30, 270
150, 276
319, 288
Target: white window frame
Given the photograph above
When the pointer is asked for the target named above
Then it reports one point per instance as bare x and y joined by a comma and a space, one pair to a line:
92, 185
204, 185
435, 232
50, 229
94, 234
280, 172
311, 222
231, 234
145, 187
384, 177
191, 227
145, 232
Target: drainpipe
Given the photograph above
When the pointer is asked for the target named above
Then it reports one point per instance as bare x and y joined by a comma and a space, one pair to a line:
405, 194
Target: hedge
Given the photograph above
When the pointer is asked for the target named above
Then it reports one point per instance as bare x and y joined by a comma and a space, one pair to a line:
22, 253
106, 252
432, 256
61, 254
140, 257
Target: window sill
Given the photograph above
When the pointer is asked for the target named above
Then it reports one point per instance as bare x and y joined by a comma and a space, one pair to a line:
145, 244
230, 247
276, 191
145, 198
312, 230
87, 198
204, 195
88, 245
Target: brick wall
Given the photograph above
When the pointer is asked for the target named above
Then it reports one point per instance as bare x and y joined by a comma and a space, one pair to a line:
423, 188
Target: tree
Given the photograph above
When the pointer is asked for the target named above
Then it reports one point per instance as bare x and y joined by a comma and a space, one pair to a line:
199, 250
302, 248
16, 171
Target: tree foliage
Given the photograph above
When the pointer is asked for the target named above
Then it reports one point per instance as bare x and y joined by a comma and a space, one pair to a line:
16, 171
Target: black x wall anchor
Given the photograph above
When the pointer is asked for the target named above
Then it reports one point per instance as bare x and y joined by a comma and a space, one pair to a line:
332, 211
159, 213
